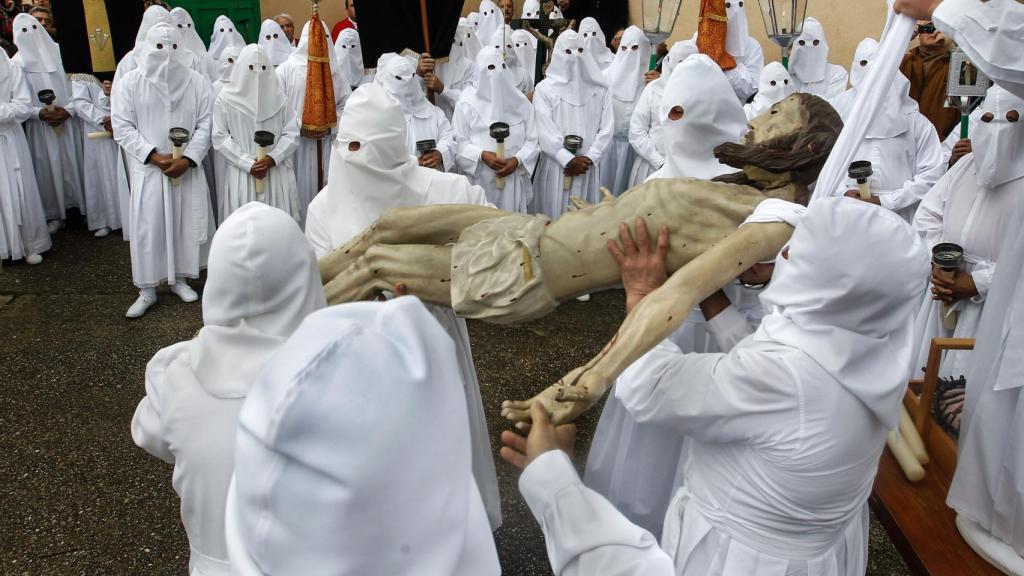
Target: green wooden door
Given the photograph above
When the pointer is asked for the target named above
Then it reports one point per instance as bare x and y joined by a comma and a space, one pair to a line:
244, 13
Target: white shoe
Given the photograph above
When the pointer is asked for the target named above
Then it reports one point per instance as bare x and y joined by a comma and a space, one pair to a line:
183, 291
584, 298
53, 225
33, 259
102, 232
146, 300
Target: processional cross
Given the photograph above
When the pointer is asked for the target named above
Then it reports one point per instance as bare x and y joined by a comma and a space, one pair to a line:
537, 26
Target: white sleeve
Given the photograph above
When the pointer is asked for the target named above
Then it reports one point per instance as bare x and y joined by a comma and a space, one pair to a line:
837, 81
147, 424
746, 76
603, 139
317, 231
992, 35
87, 110
530, 150
19, 108
125, 121
728, 327
445, 139
640, 131
584, 534
736, 397
548, 133
469, 153
199, 145
224, 143
927, 171
288, 141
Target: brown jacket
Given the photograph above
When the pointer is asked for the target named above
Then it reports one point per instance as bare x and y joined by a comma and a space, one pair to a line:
928, 76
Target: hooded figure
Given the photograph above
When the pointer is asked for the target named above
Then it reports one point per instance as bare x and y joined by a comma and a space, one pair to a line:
327, 474
625, 79
973, 205
595, 43
502, 42
457, 74
263, 281
526, 52
23, 231
292, 77
811, 394
986, 490
776, 85
56, 153
425, 121
171, 223
490, 22
645, 133
573, 99
275, 43
183, 20
371, 172
225, 66
809, 65
494, 98
254, 101
349, 54
698, 90
225, 34
100, 155
901, 143
749, 56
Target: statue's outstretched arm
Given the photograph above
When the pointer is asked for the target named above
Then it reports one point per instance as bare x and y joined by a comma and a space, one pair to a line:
655, 318
436, 225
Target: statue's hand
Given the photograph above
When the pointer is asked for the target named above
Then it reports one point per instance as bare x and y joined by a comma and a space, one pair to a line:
577, 203
571, 396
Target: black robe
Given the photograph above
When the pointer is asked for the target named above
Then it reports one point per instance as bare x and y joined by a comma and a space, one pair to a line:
124, 17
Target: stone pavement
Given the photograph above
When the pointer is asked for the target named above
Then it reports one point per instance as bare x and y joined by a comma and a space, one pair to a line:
78, 497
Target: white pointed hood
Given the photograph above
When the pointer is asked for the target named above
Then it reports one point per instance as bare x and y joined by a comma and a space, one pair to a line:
224, 34
893, 116
37, 52
998, 143
226, 64
494, 95
263, 280
398, 77
531, 9
738, 32
151, 17
503, 43
381, 174
526, 52
595, 43
809, 60
254, 89
472, 42
349, 53
775, 85
342, 464
183, 20
491, 21
626, 73
461, 57
711, 116
679, 52
573, 76
850, 305
274, 42
166, 63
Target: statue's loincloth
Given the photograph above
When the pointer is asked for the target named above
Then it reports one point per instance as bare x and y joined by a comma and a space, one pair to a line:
496, 272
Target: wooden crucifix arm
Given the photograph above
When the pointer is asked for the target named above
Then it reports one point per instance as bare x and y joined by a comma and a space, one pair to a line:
655, 318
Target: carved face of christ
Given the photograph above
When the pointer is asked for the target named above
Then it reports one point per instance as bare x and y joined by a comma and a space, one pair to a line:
784, 120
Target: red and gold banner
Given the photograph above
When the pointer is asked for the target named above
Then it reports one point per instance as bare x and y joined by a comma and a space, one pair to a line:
712, 31
319, 114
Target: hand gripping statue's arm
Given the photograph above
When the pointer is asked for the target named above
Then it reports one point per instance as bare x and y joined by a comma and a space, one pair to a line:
655, 318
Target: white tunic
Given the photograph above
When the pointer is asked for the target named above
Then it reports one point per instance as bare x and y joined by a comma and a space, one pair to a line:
746, 76
56, 157
292, 75
101, 155
638, 467
233, 140
831, 86
594, 121
958, 210
22, 222
434, 127
170, 225
645, 137
905, 166
474, 138
443, 189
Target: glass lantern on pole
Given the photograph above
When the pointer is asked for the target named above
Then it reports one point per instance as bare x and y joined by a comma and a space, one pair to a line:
658, 18
783, 21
